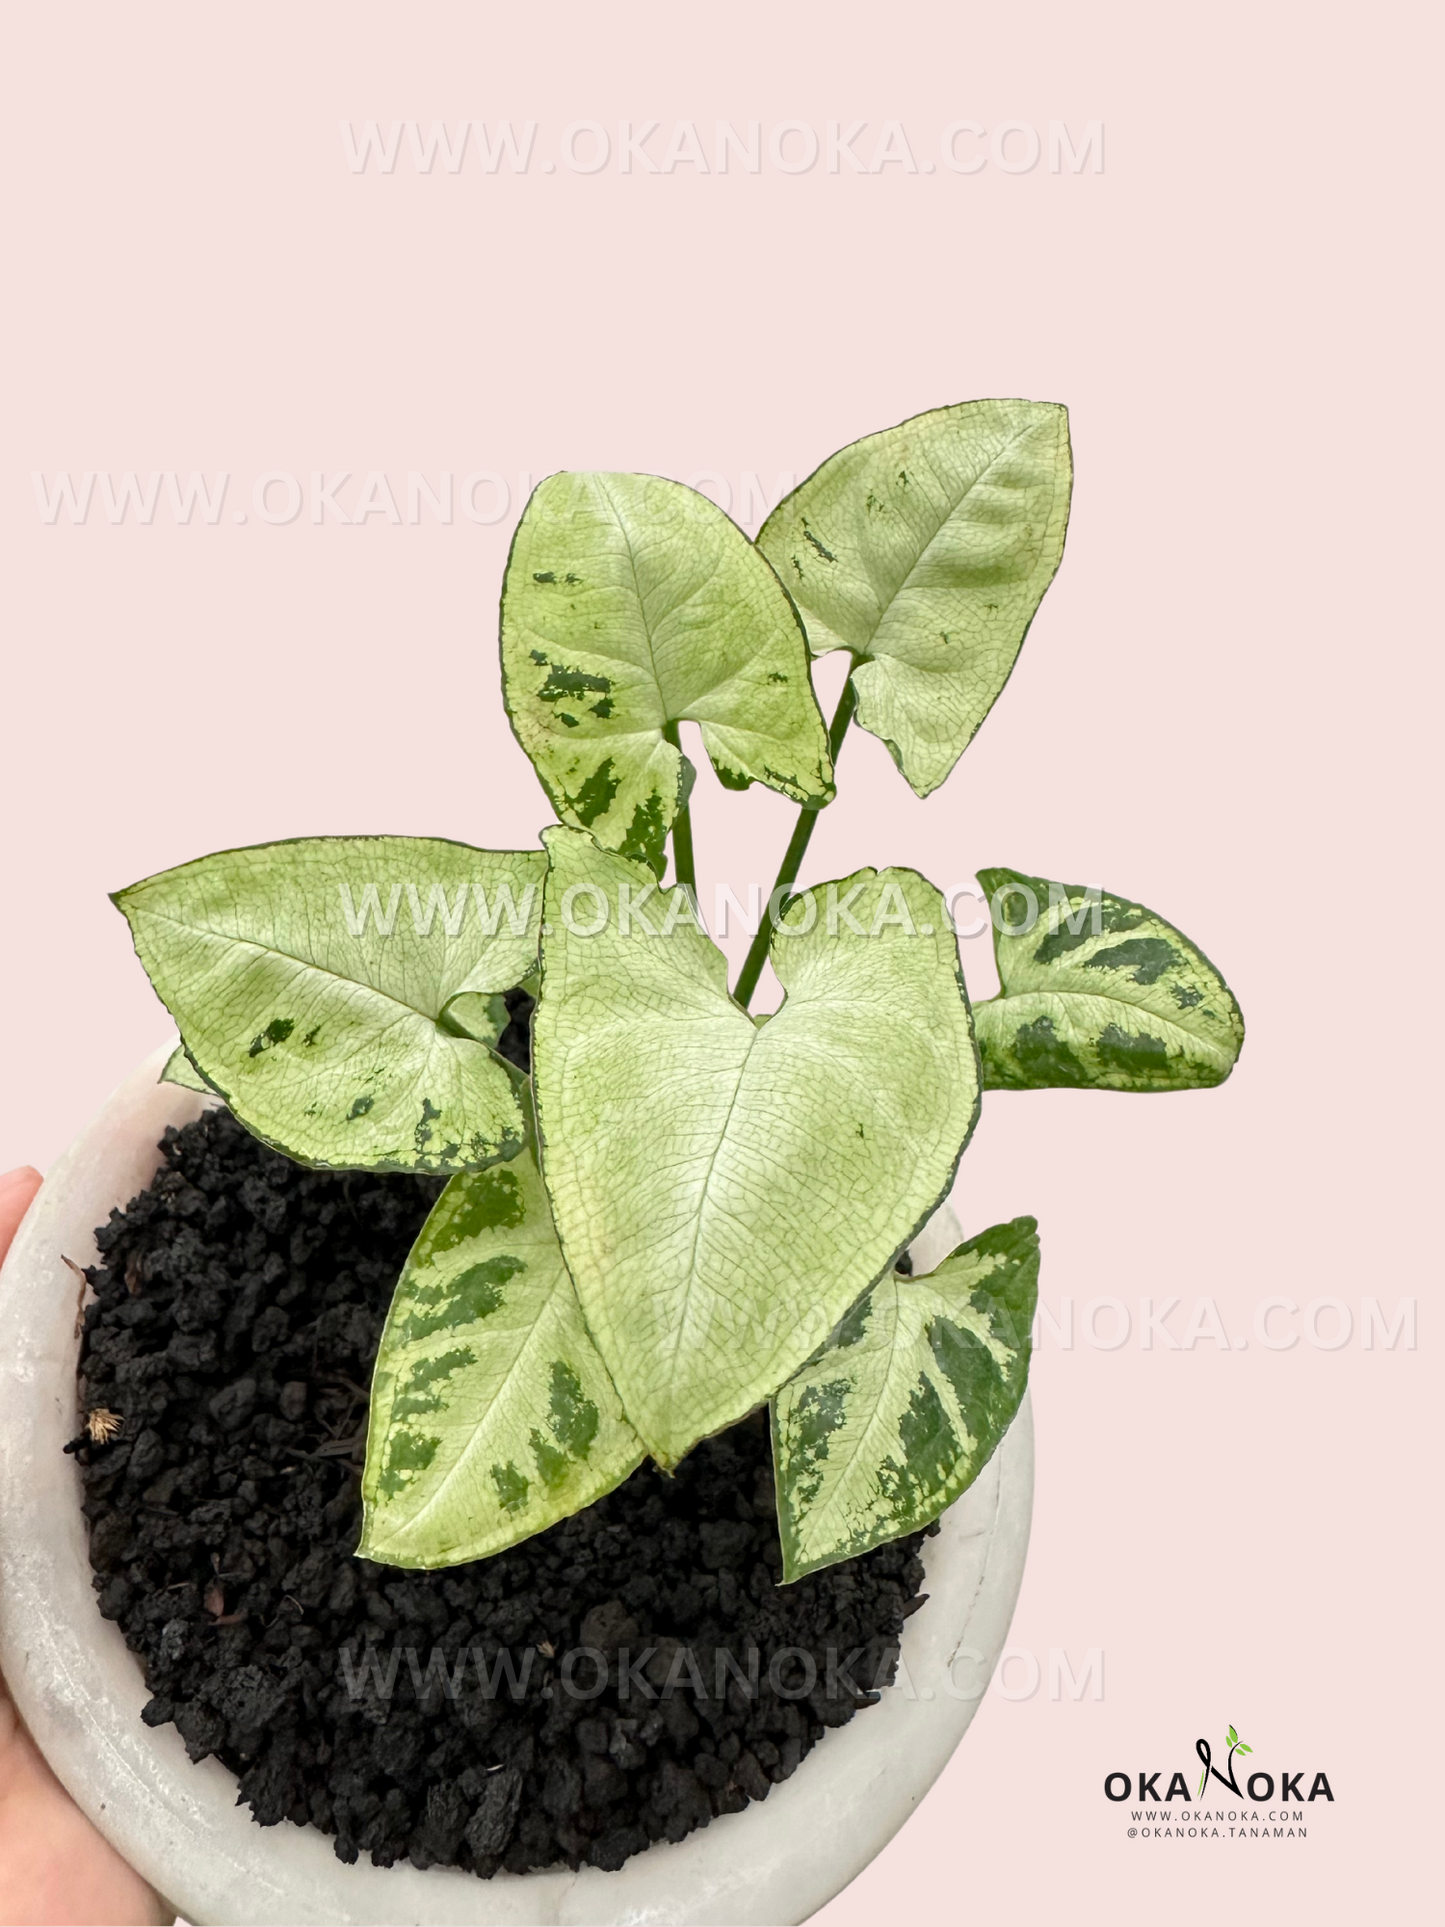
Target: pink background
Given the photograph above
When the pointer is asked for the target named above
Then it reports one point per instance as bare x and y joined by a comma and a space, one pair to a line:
1224, 708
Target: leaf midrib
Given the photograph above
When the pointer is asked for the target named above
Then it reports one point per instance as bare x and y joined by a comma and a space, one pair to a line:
626, 535
305, 963
938, 529
648, 629
679, 1324
1167, 1023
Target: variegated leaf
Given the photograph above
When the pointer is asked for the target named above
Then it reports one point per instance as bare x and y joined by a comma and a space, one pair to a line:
902, 1409
632, 604
311, 982
924, 551
723, 1189
491, 1414
1099, 994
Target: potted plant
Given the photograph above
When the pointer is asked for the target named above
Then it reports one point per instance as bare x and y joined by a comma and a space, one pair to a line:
423, 1450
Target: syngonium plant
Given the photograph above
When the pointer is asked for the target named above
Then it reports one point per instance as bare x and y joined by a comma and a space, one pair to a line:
684, 1211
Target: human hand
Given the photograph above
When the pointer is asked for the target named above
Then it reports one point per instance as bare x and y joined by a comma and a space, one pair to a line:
55, 1869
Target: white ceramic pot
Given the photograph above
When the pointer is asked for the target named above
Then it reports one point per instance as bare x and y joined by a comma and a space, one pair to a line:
81, 1692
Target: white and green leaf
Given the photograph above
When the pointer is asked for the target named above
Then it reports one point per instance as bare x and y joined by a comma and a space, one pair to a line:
311, 983
632, 604
903, 1407
492, 1415
1098, 993
724, 1190
924, 551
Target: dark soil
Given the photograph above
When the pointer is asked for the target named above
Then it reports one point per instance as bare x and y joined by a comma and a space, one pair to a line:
236, 1316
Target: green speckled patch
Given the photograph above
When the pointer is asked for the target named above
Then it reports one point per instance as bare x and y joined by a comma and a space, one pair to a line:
512, 1488
408, 1454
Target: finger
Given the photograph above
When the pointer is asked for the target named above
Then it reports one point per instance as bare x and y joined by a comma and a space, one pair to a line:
17, 1188
54, 1866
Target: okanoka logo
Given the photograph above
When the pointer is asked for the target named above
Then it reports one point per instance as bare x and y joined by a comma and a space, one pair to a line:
1236, 1745
1251, 1787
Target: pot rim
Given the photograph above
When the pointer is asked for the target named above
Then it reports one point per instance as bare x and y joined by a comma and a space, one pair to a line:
80, 1690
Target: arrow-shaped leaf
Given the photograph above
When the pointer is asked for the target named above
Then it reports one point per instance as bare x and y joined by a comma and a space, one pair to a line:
491, 1414
1099, 993
725, 1190
924, 551
311, 983
902, 1409
632, 604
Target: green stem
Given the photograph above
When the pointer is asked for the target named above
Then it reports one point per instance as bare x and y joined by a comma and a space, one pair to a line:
793, 856
682, 857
